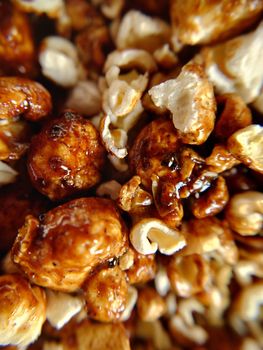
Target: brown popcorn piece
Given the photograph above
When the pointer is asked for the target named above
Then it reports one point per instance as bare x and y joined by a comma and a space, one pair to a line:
58, 251
247, 146
106, 294
66, 156
206, 22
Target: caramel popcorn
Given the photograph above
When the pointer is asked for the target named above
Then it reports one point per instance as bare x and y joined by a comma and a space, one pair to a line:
59, 61
231, 65
23, 310
21, 96
196, 121
244, 213
50, 251
141, 31
17, 49
205, 22
246, 145
106, 294
150, 305
66, 156
213, 201
131, 175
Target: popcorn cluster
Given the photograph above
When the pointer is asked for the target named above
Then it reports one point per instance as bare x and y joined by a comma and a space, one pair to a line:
131, 164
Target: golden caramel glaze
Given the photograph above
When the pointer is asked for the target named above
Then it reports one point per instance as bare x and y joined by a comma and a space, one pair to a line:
143, 269
171, 170
213, 201
17, 51
106, 293
97, 336
60, 250
235, 115
204, 22
167, 199
132, 198
220, 159
14, 139
66, 156
17, 201
150, 305
22, 310
148, 156
21, 96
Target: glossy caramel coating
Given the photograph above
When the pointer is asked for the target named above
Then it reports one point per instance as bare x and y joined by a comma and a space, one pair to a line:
17, 201
167, 200
150, 150
221, 159
22, 310
70, 241
213, 201
21, 96
143, 269
66, 157
132, 198
165, 168
17, 50
235, 115
14, 139
106, 293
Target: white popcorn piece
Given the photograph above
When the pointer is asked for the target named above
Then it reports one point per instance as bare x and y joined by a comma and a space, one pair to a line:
59, 61
61, 307
132, 298
161, 281
114, 140
110, 188
247, 146
150, 235
141, 31
183, 322
132, 59
7, 174
236, 65
190, 99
